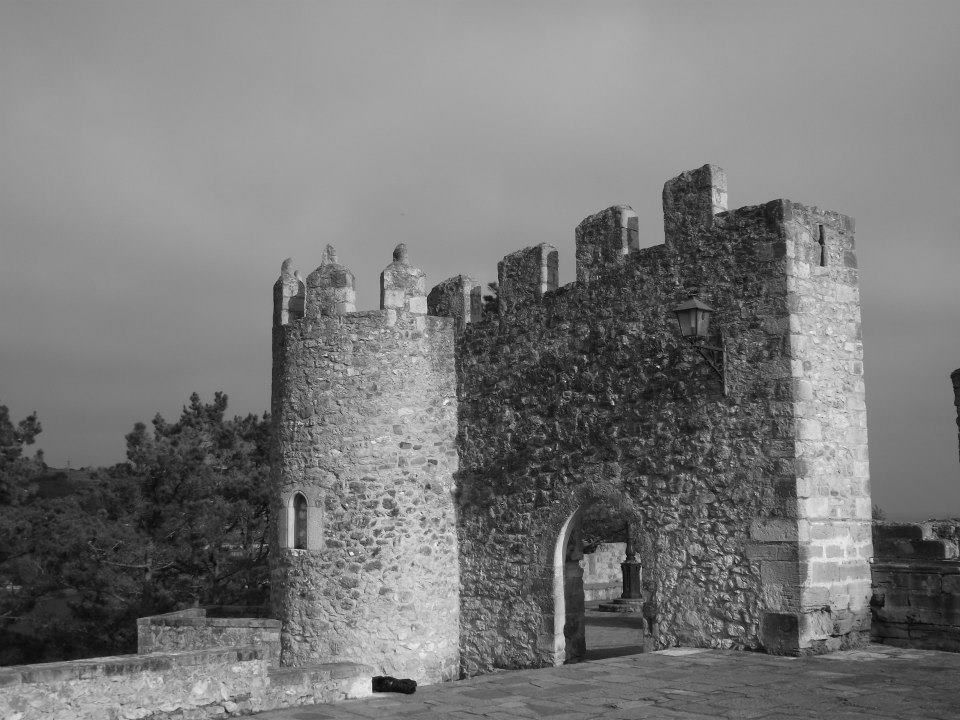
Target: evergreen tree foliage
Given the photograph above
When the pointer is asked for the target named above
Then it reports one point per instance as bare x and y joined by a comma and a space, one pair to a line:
182, 522
204, 502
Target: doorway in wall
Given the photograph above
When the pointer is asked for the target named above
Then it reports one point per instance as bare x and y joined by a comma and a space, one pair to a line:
589, 568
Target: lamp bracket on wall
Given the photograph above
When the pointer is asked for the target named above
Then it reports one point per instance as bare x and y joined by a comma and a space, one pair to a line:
693, 317
715, 358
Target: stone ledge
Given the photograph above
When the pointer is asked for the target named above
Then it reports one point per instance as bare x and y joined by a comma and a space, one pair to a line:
920, 565
317, 673
917, 635
193, 621
87, 669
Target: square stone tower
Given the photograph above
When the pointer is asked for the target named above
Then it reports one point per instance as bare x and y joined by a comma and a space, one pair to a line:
747, 483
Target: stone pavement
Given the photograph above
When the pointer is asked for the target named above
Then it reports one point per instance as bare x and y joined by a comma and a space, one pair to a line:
685, 684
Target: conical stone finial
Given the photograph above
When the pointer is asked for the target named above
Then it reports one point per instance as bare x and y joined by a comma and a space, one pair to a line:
403, 286
287, 295
330, 288
329, 256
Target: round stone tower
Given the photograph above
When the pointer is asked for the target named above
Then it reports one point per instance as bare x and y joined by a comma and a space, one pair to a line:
364, 559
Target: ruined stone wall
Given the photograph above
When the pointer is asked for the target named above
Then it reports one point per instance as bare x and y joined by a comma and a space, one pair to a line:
364, 406
833, 486
192, 630
916, 585
588, 395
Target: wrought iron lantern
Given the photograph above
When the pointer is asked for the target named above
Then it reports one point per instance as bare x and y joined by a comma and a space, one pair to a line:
693, 317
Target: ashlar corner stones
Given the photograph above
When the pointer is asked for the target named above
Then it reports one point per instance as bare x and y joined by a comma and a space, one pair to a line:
446, 459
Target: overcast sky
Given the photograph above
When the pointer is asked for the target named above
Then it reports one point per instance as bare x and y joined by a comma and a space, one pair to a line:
159, 160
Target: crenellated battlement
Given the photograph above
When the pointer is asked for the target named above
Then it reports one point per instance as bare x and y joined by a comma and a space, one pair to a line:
691, 201
605, 239
607, 242
459, 298
330, 291
696, 222
526, 275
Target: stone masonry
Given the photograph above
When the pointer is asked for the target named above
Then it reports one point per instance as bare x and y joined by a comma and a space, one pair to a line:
191, 629
916, 584
365, 411
445, 462
916, 579
602, 577
197, 684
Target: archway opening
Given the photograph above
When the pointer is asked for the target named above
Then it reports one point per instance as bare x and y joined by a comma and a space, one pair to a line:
598, 596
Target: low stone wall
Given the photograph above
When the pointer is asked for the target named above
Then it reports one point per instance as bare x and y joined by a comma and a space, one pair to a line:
196, 684
191, 629
315, 685
164, 684
602, 577
916, 586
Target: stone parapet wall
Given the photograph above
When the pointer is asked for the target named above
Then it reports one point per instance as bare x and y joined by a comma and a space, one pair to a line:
314, 685
916, 585
191, 629
196, 684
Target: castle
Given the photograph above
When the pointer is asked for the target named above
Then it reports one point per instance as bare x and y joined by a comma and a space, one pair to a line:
433, 461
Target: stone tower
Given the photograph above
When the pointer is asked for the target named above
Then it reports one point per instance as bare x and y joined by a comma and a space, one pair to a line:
363, 555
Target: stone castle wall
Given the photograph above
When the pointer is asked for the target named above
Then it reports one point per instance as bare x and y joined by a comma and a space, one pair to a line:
916, 585
586, 394
365, 421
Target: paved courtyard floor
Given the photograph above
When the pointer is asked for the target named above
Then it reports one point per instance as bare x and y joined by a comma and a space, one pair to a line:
681, 684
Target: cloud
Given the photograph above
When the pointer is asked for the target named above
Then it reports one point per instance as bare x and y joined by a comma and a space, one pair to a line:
160, 160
